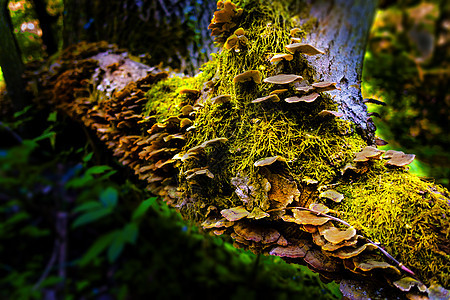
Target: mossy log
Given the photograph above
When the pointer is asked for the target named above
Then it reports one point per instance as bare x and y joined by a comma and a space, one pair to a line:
297, 178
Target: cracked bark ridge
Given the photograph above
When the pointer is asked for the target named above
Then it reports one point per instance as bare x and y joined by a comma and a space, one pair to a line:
341, 31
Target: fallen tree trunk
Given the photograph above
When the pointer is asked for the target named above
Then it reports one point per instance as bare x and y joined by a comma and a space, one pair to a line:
268, 160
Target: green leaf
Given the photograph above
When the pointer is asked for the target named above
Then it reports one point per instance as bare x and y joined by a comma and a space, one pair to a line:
52, 116
91, 216
130, 233
45, 135
91, 205
88, 157
109, 197
100, 244
116, 247
97, 170
142, 208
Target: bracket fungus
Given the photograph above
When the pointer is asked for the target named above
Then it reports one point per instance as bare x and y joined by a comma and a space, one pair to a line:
278, 91
292, 251
283, 79
272, 97
335, 235
234, 213
332, 195
256, 233
325, 113
268, 161
221, 99
279, 57
251, 75
367, 154
303, 48
307, 98
398, 158
305, 217
324, 86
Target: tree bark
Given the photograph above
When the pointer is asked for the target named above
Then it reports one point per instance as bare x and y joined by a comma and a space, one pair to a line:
267, 172
173, 32
46, 22
11, 61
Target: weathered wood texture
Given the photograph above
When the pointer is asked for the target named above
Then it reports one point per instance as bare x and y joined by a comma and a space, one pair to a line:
342, 30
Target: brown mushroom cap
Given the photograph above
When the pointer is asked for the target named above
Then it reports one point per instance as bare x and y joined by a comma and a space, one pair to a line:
319, 207
256, 233
221, 99
304, 88
272, 97
216, 223
303, 48
268, 161
239, 31
335, 235
349, 252
281, 56
294, 31
283, 79
324, 113
406, 283
257, 213
293, 251
277, 92
332, 195
324, 86
368, 265
400, 159
305, 217
202, 171
231, 42
190, 92
254, 75
234, 213
307, 98
367, 153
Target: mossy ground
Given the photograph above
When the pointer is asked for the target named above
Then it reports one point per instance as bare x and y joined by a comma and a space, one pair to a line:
387, 205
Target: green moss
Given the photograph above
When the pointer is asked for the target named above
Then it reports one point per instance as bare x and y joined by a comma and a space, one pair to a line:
405, 214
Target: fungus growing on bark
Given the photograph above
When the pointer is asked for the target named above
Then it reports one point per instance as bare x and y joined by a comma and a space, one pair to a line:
191, 93
216, 223
319, 207
186, 110
283, 79
292, 251
294, 31
303, 48
325, 113
305, 217
198, 171
221, 99
324, 86
268, 161
256, 233
332, 195
231, 42
370, 264
349, 252
277, 92
257, 213
398, 158
279, 57
307, 98
272, 97
283, 190
335, 235
254, 75
406, 283
304, 88
368, 153
234, 213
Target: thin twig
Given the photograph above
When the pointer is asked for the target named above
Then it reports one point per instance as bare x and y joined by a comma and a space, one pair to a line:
49, 266
399, 264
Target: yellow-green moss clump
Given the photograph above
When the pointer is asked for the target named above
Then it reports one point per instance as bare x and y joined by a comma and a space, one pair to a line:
408, 216
385, 204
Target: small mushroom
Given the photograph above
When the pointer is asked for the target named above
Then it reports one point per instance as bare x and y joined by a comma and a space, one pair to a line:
319, 207
349, 252
279, 57
368, 265
231, 42
202, 171
398, 158
303, 48
324, 113
272, 97
367, 153
332, 195
277, 92
190, 92
283, 79
406, 283
239, 31
304, 88
256, 233
308, 98
324, 86
268, 161
221, 99
335, 235
254, 75
294, 31
305, 217
235, 213
293, 251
